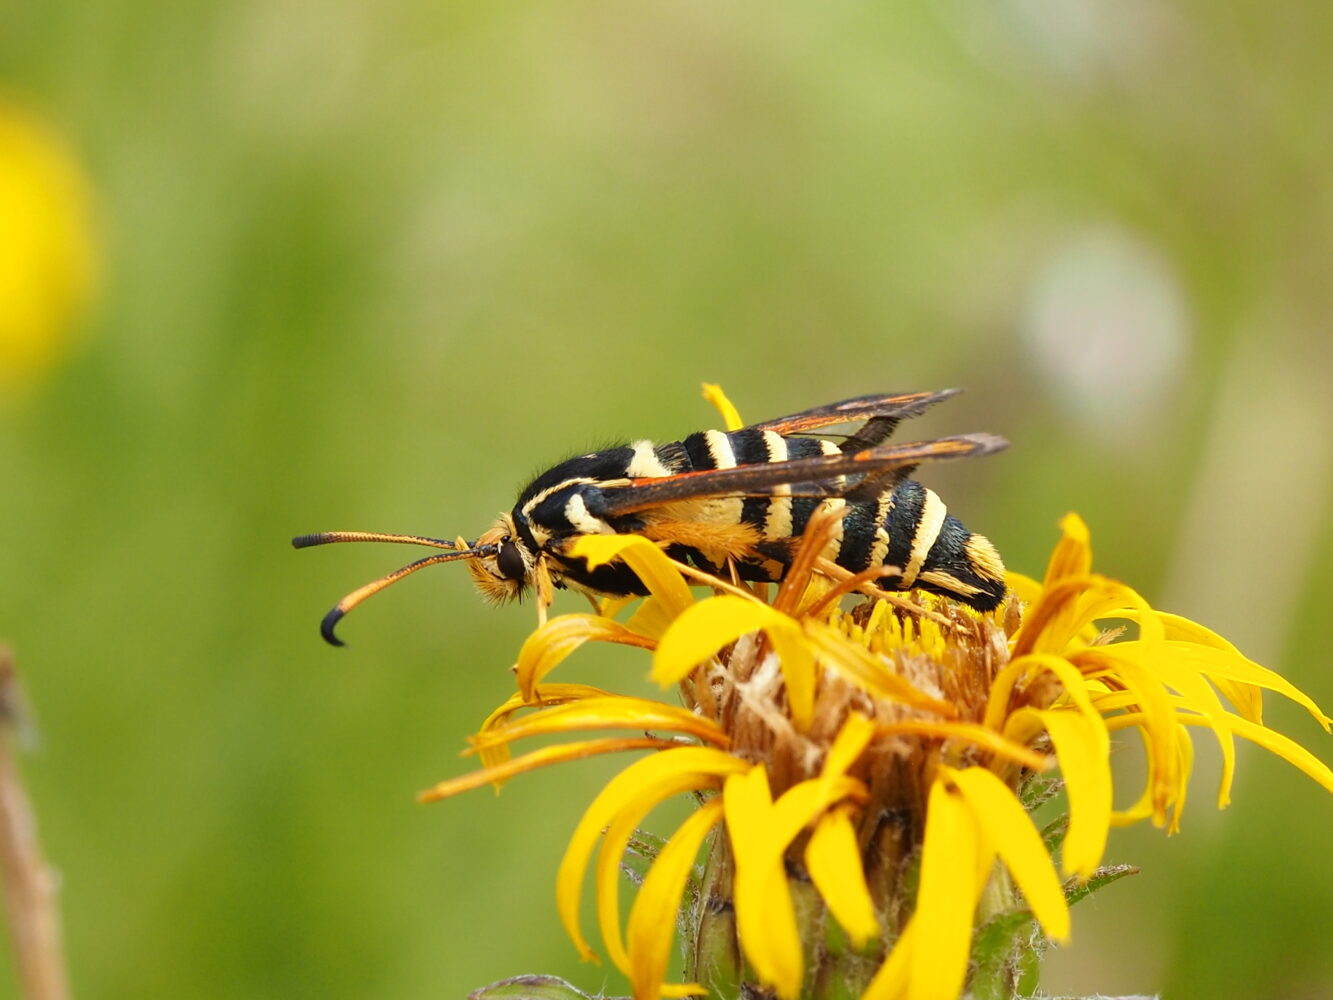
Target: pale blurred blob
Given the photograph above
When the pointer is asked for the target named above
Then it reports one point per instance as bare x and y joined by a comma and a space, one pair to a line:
1079, 41
47, 257
1105, 322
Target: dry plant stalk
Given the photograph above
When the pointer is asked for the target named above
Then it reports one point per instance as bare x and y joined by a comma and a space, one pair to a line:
29, 886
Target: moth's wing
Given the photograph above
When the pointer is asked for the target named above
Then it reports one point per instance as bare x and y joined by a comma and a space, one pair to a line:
881, 413
820, 475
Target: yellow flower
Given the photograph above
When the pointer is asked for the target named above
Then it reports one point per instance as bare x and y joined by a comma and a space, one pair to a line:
47, 259
863, 776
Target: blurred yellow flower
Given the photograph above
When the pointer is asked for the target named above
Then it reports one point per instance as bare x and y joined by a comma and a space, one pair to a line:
865, 778
47, 253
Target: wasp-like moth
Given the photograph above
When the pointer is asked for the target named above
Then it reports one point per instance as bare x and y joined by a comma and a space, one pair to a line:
731, 503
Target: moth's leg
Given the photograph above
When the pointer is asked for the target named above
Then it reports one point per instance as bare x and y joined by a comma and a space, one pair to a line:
541, 576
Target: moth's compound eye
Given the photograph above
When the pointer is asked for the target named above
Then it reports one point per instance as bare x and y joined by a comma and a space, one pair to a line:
509, 560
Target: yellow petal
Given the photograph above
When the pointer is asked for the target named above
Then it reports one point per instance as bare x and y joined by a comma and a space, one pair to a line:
651, 618
658, 777
976, 735
606, 874
1084, 761
1072, 604
1199, 695
851, 741
652, 919
1185, 765
834, 860
538, 758
714, 394
559, 637
1244, 695
1028, 667
1009, 829
1286, 748
1073, 553
765, 917
650, 564
1220, 665
549, 694
706, 627
891, 981
797, 662
1289, 750
946, 898
1160, 733
610, 712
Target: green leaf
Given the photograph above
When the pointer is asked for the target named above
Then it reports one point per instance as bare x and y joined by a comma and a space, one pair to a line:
529, 988
1101, 878
1053, 833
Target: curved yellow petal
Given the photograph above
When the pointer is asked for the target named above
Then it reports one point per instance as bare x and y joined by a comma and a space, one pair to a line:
1288, 749
976, 735
1160, 733
1009, 829
650, 564
559, 637
1200, 696
946, 899
539, 758
765, 916
852, 739
1245, 695
609, 712
1185, 765
657, 777
714, 622
1220, 665
1072, 555
606, 873
714, 394
548, 694
1072, 604
891, 981
653, 915
651, 618
796, 660
834, 860
698, 633
1028, 667
1083, 749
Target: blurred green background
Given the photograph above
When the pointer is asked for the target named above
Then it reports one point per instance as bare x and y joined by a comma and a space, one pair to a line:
371, 266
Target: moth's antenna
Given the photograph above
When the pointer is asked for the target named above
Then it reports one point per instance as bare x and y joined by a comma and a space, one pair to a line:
458, 550
325, 537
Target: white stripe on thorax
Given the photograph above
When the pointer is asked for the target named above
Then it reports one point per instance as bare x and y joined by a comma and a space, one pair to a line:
537, 498
576, 512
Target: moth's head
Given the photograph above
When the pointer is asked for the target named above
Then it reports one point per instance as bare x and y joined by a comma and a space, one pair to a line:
504, 571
